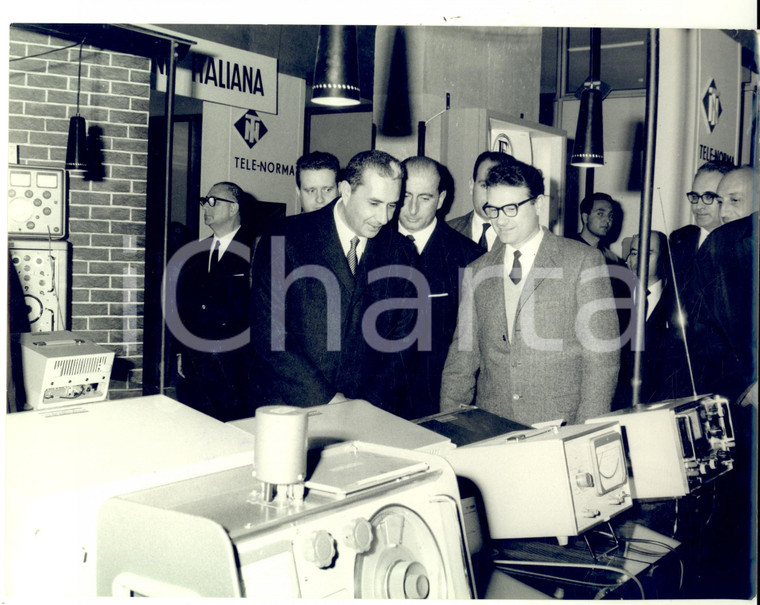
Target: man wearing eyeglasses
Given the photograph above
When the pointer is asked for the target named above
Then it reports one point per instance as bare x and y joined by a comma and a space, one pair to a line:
705, 207
212, 298
537, 335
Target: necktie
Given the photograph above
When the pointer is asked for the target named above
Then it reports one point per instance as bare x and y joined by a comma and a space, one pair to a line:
410, 236
483, 241
351, 256
516, 273
214, 257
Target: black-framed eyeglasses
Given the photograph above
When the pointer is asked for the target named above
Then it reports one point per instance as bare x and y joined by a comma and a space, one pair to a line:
211, 200
708, 197
510, 210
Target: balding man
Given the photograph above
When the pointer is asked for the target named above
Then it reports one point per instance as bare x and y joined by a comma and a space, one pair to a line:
212, 298
726, 331
443, 254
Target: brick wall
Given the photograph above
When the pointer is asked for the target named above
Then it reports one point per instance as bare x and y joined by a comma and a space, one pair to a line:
106, 225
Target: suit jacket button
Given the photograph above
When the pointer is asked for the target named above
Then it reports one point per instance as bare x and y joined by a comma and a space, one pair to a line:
516, 396
203, 306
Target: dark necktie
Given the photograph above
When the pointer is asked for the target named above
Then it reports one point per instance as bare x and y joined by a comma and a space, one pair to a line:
516, 273
214, 257
483, 241
351, 256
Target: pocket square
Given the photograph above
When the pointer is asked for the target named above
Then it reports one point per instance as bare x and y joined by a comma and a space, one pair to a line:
438, 295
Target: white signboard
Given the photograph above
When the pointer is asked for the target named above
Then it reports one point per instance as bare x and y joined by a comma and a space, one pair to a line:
254, 149
223, 74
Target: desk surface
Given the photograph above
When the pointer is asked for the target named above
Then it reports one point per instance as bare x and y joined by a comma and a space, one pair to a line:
572, 570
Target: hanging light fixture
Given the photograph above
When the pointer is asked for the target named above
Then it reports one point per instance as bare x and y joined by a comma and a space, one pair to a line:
336, 71
588, 147
76, 146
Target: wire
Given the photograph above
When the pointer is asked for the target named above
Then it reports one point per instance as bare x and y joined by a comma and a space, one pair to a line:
592, 566
47, 52
681, 319
666, 546
536, 574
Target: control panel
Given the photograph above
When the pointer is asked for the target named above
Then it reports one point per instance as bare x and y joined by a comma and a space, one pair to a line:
376, 522
42, 269
36, 202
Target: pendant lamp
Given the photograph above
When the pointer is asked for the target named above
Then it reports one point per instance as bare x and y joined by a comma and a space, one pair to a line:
588, 147
336, 70
76, 146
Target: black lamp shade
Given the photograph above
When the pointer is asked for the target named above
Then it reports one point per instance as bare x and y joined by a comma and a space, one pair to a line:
336, 71
588, 148
76, 147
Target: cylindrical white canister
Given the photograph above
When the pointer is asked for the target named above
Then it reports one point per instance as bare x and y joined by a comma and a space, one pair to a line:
280, 445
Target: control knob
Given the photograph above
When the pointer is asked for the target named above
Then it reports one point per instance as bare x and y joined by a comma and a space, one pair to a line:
584, 480
357, 535
319, 548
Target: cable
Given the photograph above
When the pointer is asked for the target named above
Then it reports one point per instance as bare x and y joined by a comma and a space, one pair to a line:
536, 574
592, 566
681, 319
666, 546
47, 52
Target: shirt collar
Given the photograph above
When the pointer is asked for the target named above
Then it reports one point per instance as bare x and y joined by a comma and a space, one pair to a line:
224, 241
422, 236
346, 234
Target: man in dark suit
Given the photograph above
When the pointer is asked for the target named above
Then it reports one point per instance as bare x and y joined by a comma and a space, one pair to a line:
328, 307
684, 244
726, 349
212, 298
475, 225
443, 255
726, 276
659, 347
537, 334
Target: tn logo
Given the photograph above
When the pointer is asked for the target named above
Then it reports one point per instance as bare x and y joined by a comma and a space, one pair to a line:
251, 128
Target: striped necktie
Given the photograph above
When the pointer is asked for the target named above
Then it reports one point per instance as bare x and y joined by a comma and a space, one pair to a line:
351, 256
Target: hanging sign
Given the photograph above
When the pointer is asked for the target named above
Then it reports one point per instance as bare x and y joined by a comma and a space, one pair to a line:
223, 74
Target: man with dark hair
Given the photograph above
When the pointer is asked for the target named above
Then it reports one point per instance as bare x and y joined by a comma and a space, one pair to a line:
316, 180
325, 297
598, 215
475, 225
212, 299
537, 334
443, 254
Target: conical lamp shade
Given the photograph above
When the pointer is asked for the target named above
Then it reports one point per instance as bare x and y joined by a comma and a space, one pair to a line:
588, 148
76, 147
336, 71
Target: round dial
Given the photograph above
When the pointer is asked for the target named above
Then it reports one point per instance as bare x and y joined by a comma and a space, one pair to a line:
403, 562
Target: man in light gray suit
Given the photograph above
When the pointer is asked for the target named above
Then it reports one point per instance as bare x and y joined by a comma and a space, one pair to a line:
537, 335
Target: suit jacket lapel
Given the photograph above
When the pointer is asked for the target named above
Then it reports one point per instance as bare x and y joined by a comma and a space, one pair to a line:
544, 260
494, 290
332, 251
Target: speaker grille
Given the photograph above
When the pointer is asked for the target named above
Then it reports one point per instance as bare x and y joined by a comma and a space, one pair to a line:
75, 366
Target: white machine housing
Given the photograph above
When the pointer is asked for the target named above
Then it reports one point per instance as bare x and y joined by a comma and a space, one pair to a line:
62, 464
376, 522
675, 446
63, 368
553, 482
